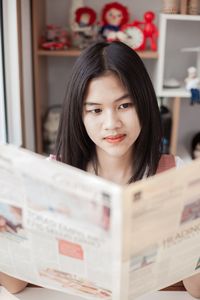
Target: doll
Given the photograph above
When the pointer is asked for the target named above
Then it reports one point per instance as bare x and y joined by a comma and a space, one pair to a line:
114, 16
149, 29
192, 85
84, 26
192, 81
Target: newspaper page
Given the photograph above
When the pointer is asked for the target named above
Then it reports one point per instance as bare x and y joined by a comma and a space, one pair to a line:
62, 226
77, 233
161, 230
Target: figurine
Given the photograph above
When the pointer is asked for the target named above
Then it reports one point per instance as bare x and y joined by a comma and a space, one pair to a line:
192, 81
114, 16
74, 5
84, 26
55, 38
149, 29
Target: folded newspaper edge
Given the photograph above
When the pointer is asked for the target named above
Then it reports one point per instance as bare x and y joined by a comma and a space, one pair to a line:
71, 231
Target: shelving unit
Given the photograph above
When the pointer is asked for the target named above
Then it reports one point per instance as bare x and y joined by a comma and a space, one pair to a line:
170, 44
176, 32
41, 58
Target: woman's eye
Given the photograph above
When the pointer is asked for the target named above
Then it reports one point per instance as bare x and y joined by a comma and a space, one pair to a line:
125, 105
95, 111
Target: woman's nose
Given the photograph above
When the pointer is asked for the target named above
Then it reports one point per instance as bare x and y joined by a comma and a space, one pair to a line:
112, 120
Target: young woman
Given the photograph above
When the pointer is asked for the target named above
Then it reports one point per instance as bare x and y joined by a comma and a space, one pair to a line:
110, 123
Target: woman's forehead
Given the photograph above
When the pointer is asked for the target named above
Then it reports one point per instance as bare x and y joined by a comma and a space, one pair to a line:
108, 86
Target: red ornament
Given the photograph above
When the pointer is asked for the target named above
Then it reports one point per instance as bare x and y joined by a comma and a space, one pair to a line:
150, 30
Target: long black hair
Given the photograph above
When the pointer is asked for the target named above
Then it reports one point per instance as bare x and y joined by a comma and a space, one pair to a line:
73, 145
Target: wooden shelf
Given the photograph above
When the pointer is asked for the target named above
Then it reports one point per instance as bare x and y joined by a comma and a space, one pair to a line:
69, 52
76, 52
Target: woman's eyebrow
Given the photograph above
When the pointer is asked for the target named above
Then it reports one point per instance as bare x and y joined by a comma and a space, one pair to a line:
118, 99
91, 103
122, 97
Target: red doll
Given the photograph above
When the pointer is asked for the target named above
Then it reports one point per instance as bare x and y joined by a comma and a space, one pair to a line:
114, 16
84, 26
149, 29
85, 16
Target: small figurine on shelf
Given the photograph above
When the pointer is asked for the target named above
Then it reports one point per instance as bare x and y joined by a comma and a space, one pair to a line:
50, 126
114, 16
192, 81
55, 38
192, 84
149, 29
84, 27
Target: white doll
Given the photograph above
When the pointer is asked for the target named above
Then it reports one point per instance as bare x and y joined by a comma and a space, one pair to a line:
192, 81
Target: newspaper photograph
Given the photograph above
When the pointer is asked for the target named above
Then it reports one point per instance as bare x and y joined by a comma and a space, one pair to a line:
68, 230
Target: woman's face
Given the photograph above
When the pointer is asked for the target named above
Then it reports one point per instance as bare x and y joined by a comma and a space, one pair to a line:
110, 117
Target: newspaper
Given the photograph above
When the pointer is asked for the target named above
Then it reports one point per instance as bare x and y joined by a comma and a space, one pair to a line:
77, 233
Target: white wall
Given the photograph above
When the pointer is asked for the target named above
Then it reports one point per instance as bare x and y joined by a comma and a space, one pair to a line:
12, 72
3, 135
27, 75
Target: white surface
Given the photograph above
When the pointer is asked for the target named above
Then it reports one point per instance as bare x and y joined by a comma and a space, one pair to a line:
40, 294
162, 295
12, 72
174, 92
27, 75
2, 99
36, 294
171, 62
181, 17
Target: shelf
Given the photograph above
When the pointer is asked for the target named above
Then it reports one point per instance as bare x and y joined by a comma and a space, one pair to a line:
76, 52
70, 52
170, 92
181, 17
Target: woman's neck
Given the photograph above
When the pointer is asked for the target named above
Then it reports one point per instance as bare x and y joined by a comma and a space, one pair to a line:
117, 170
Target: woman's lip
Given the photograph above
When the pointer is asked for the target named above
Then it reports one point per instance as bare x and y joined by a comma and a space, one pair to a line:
115, 139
